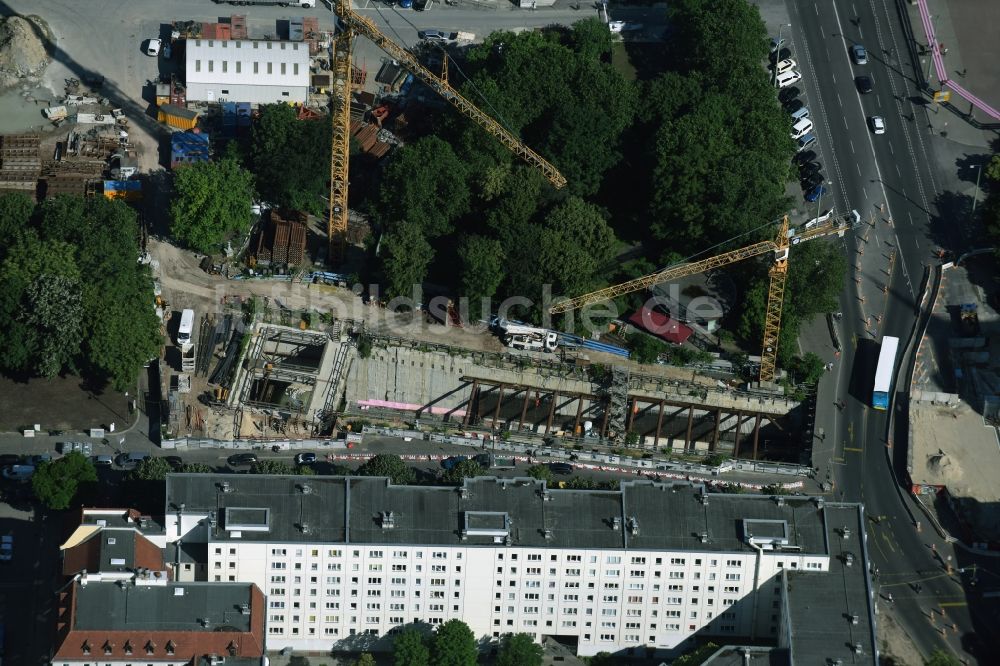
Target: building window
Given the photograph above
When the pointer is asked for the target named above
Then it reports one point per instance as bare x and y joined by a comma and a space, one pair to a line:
225, 66
210, 64
197, 65
285, 93
295, 69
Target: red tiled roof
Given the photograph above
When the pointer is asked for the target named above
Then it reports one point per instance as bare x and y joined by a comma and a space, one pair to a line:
661, 326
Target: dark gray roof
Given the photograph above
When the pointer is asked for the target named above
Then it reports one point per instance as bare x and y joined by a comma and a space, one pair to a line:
740, 655
643, 515
176, 606
821, 605
117, 549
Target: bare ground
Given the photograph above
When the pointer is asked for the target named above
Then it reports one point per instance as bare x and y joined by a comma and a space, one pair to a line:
63, 403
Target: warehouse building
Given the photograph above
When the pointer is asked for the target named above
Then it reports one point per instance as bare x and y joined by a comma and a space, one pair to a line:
653, 566
247, 70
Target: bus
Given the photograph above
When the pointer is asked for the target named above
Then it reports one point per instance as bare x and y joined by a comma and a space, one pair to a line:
884, 373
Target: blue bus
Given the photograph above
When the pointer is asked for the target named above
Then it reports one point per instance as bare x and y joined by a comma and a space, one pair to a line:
884, 373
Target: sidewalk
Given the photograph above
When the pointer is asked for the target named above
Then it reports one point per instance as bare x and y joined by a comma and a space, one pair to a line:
966, 62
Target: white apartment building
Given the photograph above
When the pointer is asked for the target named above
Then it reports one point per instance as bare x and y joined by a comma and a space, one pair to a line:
651, 565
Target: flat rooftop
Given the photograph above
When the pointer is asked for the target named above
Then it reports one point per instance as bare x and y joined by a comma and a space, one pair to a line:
486, 511
832, 613
178, 607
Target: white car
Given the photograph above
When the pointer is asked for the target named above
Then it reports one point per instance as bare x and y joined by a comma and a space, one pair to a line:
153, 48
616, 26
801, 128
785, 65
788, 78
878, 124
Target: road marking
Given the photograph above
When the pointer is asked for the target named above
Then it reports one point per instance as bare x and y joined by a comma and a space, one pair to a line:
859, 168
834, 77
916, 243
852, 146
885, 536
816, 9
845, 124
864, 192
878, 101
898, 172
953, 604
854, 449
839, 101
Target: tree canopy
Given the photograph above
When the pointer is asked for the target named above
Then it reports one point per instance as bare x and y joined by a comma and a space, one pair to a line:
410, 649
212, 201
73, 296
454, 645
151, 469
56, 483
519, 650
392, 466
291, 158
463, 469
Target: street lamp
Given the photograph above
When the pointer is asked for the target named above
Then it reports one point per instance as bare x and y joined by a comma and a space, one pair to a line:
777, 51
975, 195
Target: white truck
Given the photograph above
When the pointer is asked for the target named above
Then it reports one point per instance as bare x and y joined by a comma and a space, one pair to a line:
185, 328
523, 336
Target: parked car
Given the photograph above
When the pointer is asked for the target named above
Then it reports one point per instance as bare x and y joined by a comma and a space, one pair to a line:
800, 113
18, 472
781, 54
806, 141
174, 461
777, 43
788, 78
785, 66
6, 550
859, 54
153, 47
803, 157
801, 128
9, 459
306, 458
809, 167
238, 459
433, 35
788, 94
864, 83
40, 458
812, 180
128, 460
815, 193
452, 461
877, 124
561, 468
103, 461
794, 105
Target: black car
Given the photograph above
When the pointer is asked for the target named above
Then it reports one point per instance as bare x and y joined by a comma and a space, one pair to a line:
783, 54
805, 156
174, 461
241, 459
561, 468
794, 105
9, 459
788, 94
811, 180
864, 83
305, 458
92, 79
807, 168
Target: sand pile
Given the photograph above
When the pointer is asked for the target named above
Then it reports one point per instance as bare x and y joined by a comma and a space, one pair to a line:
23, 54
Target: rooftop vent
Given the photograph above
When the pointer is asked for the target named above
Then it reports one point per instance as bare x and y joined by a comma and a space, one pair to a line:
178, 591
854, 619
387, 520
849, 559
245, 609
779, 500
305, 488
463, 492
820, 502
703, 498
633, 526
224, 486
305, 528
546, 495
547, 534
205, 622
845, 532
703, 537
616, 523
143, 522
857, 648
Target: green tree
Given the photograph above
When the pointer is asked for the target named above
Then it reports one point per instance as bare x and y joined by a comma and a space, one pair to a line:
16, 210
56, 483
941, 658
425, 184
591, 39
519, 650
291, 158
806, 369
211, 202
406, 257
196, 468
463, 469
269, 466
392, 466
645, 348
482, 270
697, 656
151, 469
454, 645
540, 472
54, 313
410, 649
366, 659
603, 659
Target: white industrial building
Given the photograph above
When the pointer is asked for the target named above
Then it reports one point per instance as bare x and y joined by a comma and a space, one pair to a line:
247, 70
650, 566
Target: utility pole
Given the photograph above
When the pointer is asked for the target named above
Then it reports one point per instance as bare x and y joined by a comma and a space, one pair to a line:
777, 51
975, 195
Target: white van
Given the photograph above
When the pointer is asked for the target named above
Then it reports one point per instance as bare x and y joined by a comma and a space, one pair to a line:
801, 128
185, 328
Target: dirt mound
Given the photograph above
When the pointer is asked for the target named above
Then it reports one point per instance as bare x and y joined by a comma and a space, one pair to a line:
24, 46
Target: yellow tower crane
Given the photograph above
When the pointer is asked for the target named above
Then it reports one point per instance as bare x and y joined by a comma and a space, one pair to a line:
775, 295
353, 23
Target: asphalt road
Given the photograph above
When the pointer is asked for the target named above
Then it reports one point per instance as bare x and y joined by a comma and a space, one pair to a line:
866, 171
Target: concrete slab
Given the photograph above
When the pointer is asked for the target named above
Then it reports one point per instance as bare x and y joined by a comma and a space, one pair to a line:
953, 447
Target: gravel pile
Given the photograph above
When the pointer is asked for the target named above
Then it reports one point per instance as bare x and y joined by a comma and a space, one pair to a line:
23, 53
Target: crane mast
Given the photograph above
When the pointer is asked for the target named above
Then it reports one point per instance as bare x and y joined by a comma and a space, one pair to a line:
340, 149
